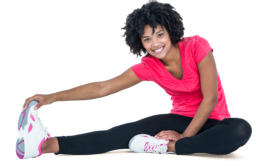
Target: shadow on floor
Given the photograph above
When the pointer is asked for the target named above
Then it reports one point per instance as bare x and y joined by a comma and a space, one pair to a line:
228, 156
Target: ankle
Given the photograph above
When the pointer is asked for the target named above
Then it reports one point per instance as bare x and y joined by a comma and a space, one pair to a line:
171, 146
50, 146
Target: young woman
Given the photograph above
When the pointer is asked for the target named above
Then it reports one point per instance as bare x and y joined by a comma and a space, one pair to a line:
184, 67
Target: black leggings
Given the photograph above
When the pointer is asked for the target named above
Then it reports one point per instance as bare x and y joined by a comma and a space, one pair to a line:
215, 137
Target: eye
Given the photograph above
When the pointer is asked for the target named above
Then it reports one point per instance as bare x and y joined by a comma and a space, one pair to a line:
146, 40
160, 34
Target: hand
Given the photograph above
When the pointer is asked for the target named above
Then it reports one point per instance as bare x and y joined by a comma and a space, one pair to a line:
41, 99
170, 135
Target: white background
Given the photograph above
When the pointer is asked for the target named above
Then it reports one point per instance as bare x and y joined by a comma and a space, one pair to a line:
49, 46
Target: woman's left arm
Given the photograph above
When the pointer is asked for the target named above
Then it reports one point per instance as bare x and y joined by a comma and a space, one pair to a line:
209, 87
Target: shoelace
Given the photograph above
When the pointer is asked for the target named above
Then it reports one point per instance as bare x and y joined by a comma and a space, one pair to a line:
161, 148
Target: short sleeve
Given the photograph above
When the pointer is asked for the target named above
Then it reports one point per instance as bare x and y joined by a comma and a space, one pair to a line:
142, 71
201, 48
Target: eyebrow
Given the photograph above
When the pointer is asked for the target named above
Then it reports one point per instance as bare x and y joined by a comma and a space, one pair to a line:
155, 32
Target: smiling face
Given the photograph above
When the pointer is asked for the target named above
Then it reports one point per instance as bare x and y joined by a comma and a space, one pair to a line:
157, 44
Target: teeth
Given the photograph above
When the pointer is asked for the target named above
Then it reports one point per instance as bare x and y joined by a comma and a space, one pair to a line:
158, 50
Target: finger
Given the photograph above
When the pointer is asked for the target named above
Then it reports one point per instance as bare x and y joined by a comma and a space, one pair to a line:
165, 137
35, 97
169, 133
37, 106
168, 137
162, 135
166, 134
26, 103
158, 134
162, 132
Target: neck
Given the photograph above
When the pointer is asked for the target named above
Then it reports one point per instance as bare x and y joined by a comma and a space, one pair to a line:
172, 56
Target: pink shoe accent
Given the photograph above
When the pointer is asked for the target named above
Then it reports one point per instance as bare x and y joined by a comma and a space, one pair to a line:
40, 145
152, 148
32, 118
30, 128
20, 151
20, 156
146, 147
18, 147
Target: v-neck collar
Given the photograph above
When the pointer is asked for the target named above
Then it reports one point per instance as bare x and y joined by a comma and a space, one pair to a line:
182, 63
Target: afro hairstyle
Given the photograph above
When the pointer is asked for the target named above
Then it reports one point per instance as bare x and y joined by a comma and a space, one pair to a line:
153, 14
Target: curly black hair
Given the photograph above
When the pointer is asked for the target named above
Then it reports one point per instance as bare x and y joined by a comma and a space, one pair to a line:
153, 14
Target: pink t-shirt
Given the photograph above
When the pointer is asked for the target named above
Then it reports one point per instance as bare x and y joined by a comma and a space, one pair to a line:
186, 93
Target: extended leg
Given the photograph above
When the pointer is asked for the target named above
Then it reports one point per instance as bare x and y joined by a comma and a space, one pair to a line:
118, 137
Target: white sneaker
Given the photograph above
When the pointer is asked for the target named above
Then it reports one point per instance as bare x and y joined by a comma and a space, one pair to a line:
145, 143
32, 133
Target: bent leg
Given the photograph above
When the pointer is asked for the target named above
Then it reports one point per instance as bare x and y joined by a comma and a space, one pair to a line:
223, 138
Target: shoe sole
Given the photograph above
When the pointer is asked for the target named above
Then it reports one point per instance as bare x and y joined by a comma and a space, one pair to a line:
22, 123
23, 118
20, 148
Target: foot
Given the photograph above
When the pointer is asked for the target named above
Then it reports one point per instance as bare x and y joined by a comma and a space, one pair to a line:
32, 133
145, 143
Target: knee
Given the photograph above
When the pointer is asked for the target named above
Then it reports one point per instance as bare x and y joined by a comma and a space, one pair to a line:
241, 130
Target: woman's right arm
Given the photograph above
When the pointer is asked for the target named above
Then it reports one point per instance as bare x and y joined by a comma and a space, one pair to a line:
88, 91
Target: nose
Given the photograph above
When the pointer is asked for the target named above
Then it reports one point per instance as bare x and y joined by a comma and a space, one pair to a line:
155, 44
